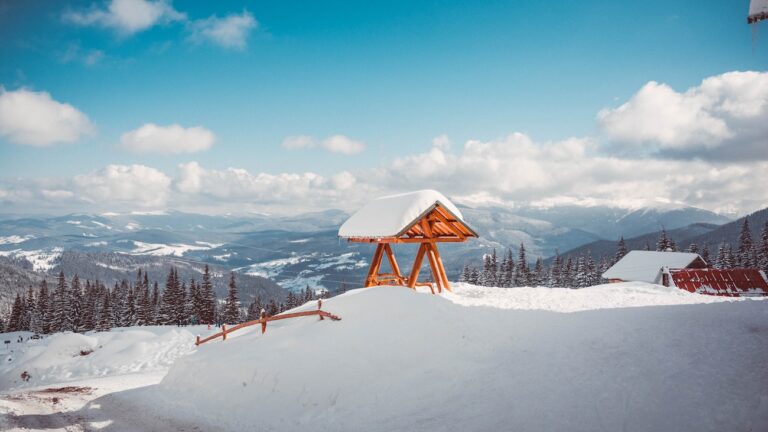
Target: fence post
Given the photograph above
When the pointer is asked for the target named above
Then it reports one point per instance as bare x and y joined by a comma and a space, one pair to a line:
319, 306
223, 332
197, 341
263, 317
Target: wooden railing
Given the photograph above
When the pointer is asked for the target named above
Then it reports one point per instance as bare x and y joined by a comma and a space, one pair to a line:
264, 319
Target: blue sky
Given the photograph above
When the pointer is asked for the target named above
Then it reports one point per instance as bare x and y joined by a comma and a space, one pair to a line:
390, 76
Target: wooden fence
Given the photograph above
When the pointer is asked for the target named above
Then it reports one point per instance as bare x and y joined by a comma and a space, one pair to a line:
265, 319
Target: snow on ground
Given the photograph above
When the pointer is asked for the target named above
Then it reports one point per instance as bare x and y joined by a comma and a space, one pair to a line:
142, 248
609, 296
41, 259
14, 239
634, 357
69, 356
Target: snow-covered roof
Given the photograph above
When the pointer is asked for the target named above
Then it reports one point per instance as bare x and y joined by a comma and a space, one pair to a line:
758, 11
391, 215
645, 266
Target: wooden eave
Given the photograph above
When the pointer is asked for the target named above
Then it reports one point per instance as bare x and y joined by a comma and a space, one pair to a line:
435, 224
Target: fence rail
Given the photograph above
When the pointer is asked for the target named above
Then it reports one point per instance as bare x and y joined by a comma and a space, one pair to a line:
264, 319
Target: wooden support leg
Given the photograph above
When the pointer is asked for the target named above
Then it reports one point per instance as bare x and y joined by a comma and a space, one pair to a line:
417, 266
393, 262
433, 267
375, 263
441, 268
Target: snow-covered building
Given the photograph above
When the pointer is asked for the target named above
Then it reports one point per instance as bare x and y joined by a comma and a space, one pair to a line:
647, 266
425, 217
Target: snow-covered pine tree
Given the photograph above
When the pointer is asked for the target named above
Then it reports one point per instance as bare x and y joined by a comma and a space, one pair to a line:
555, 271
569, 273
745, 253
647, 246
30, 311
17, 314
593, 277
705, 254
60, 306
537, 276
485, 275
522, 271
43, 308
764, 248
730, 259
75, 304
232, 303
254, 309
621, 250
131, 310
693, 248
209, 298
663, 244
155, 303
272, 308
106, 321
464, 275
720, 261
602, 268
494, 274
145, 311
170, 298
87, 317
581, 277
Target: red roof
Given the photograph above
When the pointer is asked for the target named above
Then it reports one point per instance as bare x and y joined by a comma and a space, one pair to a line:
724, 282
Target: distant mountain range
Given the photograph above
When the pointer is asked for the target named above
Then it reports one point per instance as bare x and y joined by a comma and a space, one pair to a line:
699, 233
299, 250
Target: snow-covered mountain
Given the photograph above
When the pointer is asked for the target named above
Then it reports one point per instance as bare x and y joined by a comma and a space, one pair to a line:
304, 249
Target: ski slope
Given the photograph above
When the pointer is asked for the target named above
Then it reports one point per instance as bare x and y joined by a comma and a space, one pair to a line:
632, 356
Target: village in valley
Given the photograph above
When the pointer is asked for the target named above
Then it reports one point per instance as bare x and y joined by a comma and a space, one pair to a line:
280, 217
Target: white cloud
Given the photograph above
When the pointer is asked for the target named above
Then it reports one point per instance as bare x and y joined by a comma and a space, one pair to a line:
127, 16
442, 142
132, 185
334, 144
342, 144
726, 116
230, 31
36, 119
172, 139
298, 142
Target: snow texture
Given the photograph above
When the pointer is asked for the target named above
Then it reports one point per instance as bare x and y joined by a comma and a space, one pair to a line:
401, 360
757, 7
388, 216
645, 266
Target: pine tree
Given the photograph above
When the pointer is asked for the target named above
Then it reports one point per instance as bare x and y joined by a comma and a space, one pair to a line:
521, 272
555, 271
254, 309
486, 279
720, 263
106, 321
145, 311
494, 274
537, 278
155, 303
60, 302
232, 304
621, 250
745, 254
75, 304
208, 298
730, 259
664, 244
88, 315
465, 274
647, 246
705, 255
764, 248
569, 273
581, 278
43, 308
693, 248
170, 300
17, 313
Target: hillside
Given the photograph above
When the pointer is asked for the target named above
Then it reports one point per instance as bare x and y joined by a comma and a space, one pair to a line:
628, 356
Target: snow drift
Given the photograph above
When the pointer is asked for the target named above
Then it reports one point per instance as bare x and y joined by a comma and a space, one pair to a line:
401, 360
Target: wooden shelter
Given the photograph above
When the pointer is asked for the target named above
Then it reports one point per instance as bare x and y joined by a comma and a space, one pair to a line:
425, 217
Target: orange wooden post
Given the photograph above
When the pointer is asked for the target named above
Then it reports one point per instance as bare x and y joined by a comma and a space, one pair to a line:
393, 262
416, 266
433, 266
197, 341
441, 268
375, 263
263, 317
224, 332
319, 306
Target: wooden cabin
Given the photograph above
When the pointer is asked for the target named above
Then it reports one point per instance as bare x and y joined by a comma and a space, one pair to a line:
425, 217
646, 266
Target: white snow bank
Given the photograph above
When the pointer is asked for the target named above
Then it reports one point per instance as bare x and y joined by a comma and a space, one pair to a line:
388, 216
608, 296
59, 357
401, 360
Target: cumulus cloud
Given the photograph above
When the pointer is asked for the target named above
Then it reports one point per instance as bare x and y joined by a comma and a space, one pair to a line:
127, 17
135, 185
172, 139
726, 116
335, 144
230, 31
36, 119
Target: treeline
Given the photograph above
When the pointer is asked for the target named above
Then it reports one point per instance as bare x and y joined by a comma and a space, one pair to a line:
80, 307
584, 270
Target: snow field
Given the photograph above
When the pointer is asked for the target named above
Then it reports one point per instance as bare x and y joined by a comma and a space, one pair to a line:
401, 360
